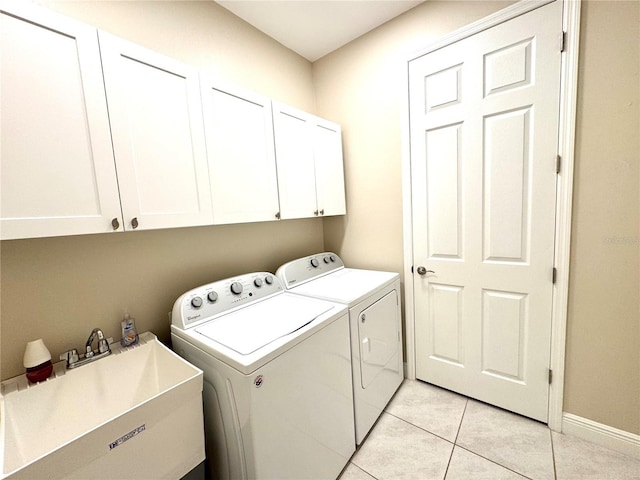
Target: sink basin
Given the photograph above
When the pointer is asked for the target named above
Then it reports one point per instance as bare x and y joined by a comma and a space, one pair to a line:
134, 414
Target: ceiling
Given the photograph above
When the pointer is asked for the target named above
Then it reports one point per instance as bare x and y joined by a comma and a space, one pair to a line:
314, 28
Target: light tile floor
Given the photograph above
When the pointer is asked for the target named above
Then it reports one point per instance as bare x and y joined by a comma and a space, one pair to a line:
430, 433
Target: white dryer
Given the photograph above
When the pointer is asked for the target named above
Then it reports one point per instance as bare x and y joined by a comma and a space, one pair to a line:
373, 299
278, 401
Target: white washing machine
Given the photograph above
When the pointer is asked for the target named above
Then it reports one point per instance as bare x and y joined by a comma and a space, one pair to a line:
278, 400
373, 299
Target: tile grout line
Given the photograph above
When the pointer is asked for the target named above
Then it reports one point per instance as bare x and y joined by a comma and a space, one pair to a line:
446, 470
553, 456
455, 444
494, 462
482, 456
466, 403
363, 470
453, 449
420, 428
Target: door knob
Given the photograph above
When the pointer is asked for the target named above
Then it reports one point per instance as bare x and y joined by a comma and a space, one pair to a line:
424, 271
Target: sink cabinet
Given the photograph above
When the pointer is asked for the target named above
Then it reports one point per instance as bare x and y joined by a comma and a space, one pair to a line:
310, 165
57, 172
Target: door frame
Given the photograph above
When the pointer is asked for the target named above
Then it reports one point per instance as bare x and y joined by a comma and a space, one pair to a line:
564, 190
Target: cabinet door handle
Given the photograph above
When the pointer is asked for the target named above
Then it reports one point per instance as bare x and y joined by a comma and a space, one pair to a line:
315, 213
322, 212
115, 223
134, 222
278, 215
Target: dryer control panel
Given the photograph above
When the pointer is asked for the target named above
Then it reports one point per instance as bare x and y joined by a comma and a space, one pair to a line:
214, 299
304, 269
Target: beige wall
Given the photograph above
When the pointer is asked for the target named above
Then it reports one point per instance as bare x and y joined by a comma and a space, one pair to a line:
603, 344
206, 35
59, 289
361, 86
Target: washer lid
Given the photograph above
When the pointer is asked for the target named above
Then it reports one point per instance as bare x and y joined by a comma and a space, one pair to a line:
249, 329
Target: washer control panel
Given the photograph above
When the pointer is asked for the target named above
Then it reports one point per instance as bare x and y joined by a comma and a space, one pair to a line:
209, 301
307, 268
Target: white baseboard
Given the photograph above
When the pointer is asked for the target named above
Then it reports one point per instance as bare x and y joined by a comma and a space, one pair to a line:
604, 435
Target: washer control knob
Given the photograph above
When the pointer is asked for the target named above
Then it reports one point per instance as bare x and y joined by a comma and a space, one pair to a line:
332, 258
268, 279
212, 297
196, 302
236, 288
315, 262
327, 259
257, 282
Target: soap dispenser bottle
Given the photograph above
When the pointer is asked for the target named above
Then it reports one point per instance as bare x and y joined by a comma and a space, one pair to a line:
129, 333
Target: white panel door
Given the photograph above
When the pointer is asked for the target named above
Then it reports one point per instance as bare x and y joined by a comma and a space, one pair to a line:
158, 137
484, 130
57, 171
242, 165
329, 168
293, 131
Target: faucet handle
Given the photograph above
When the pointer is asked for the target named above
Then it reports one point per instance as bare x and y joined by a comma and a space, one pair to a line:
88, 352
71, 356
103, 344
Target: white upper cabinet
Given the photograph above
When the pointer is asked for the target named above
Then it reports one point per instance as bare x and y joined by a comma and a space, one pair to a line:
98, 134
242, 166
329, 167
310, 164
57, 171
158, 137
294, 157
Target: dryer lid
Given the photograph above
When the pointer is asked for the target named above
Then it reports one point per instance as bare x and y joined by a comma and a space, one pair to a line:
249, 329
348, 285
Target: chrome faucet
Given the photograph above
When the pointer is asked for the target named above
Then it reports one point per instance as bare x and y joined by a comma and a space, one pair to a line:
75, 360
103, 345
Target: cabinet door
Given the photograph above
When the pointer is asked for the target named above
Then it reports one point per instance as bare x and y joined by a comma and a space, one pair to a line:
242, 165
329, 168
57, 171
294, 158
158, 137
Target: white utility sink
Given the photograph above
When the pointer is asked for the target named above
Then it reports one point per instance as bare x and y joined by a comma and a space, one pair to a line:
136, 413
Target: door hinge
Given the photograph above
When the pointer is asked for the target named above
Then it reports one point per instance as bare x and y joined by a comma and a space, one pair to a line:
563, 41
550, 376
554, 275
558, 163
